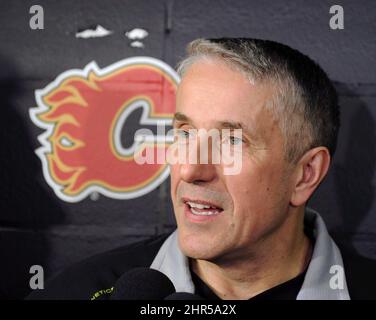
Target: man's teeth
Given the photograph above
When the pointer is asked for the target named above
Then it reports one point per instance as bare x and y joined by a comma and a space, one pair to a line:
203, 213
200, 206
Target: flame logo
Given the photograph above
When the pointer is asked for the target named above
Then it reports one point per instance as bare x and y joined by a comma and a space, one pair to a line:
82, 113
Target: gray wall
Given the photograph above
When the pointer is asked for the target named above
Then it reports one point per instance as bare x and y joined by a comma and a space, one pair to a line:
36, 227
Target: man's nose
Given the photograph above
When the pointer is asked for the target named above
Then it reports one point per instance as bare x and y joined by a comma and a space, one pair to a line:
197, 172
202, 169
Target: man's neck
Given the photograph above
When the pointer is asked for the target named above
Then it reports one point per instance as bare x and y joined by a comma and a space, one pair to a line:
269, 265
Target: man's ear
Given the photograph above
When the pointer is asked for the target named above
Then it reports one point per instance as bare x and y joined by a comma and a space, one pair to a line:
310, 171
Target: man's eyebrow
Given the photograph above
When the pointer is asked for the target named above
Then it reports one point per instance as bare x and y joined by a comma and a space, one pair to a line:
231, 125
237, 125
178, 116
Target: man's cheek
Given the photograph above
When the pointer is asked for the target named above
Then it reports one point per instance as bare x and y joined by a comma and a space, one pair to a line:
173, 177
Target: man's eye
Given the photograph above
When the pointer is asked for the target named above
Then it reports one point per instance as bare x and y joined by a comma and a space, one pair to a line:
181, 133
236, 140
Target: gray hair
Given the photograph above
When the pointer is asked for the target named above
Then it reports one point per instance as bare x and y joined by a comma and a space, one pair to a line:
305, 102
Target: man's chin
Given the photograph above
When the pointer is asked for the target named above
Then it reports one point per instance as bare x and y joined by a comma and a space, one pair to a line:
195, 248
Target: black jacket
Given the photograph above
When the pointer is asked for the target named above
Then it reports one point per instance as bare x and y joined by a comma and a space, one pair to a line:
94, 278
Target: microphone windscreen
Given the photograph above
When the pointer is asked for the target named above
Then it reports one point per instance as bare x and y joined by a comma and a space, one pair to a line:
142, 284
183, 296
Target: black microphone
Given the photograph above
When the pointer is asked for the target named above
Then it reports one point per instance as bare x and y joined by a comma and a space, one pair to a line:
142, 284
183, 296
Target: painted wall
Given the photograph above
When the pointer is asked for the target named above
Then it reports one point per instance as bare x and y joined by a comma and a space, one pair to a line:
37, 227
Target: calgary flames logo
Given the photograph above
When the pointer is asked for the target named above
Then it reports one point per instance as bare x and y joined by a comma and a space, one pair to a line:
83, 114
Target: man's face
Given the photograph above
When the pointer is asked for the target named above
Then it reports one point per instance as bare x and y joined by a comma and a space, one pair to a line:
248, 206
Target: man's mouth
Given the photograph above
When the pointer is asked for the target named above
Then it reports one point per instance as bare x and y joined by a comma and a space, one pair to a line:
202, 208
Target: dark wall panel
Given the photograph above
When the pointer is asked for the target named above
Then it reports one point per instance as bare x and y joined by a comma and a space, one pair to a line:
36, 227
